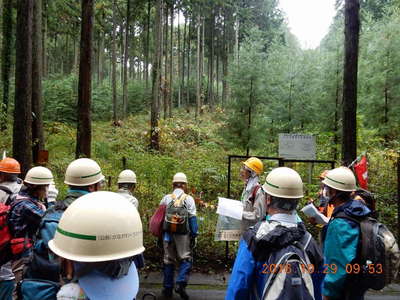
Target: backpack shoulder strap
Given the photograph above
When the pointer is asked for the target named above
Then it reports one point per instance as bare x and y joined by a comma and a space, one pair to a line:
254, 193
343, 215
9, 193
5, 189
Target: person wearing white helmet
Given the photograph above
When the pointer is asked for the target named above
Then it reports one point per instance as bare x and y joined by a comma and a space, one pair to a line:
82, 176
98, 249
26, 214
179, 236
271, 253
341, 235
126, 186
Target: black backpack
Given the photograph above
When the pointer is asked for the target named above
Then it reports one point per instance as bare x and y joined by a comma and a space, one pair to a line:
378, 255
288, 278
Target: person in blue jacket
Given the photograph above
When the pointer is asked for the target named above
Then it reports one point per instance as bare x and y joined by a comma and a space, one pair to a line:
342, 236
271, 239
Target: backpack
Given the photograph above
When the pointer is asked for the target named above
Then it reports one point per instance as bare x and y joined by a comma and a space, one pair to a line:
287, 272
176, 216
42, 263
254, 194
29, 289
157, 221
5, 235
378, 254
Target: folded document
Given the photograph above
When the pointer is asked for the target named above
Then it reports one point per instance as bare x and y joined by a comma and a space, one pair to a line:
311, 211
230, 208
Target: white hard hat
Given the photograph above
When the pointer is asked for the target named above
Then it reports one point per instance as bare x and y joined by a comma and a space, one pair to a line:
179, 177
127, 176
39, 176
99, 226
284, 182
83, 172
341, 179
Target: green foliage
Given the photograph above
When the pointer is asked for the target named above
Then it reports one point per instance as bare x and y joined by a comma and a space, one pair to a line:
60, 96
247, 96
380, 76
59, 99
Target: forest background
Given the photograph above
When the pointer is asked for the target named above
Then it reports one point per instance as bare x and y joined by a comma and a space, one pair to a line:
178, 85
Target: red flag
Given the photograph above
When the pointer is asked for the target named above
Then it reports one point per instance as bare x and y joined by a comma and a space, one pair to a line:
361, 170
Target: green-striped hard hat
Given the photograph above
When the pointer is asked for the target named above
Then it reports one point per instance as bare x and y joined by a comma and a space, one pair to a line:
83, 172
284, 182
341, 179
39, 176
99, 226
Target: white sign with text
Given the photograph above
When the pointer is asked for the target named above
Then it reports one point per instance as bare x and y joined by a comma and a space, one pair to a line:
297, 146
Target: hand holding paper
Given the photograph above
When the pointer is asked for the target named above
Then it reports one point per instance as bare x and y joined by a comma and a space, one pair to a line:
311, 211
230, 208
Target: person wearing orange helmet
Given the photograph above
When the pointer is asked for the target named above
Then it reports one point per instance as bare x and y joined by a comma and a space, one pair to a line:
10, 185
254, 208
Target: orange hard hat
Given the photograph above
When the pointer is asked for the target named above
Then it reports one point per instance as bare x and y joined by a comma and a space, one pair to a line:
10, 165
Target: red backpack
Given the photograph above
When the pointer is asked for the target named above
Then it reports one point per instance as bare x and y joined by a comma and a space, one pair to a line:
5, 235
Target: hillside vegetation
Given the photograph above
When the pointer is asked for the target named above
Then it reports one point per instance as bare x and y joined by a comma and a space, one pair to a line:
198, 148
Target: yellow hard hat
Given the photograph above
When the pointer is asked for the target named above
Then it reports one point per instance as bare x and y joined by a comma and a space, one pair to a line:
284, 182
39, 176
254, 164
341, 179
99, 226
83, 172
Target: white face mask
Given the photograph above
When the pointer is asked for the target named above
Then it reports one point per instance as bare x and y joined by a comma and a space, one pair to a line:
325, 192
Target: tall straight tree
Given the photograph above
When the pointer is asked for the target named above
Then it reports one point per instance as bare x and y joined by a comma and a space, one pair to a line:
84, 131
351, 34
126, 55
171, 40
37, 72
6, 57
114, 63
22, 130
198, 79
146, 72
156, 79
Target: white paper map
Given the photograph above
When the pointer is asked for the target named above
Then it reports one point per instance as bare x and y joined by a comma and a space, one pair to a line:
230, 208
311, 211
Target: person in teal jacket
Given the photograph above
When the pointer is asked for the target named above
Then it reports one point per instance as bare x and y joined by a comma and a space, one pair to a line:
342, 236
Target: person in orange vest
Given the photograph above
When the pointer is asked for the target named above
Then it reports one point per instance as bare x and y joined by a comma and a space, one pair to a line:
324, 206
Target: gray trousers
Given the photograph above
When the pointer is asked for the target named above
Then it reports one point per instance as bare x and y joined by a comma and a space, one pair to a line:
177, 249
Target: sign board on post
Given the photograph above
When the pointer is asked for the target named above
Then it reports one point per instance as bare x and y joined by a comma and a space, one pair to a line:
297, 146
